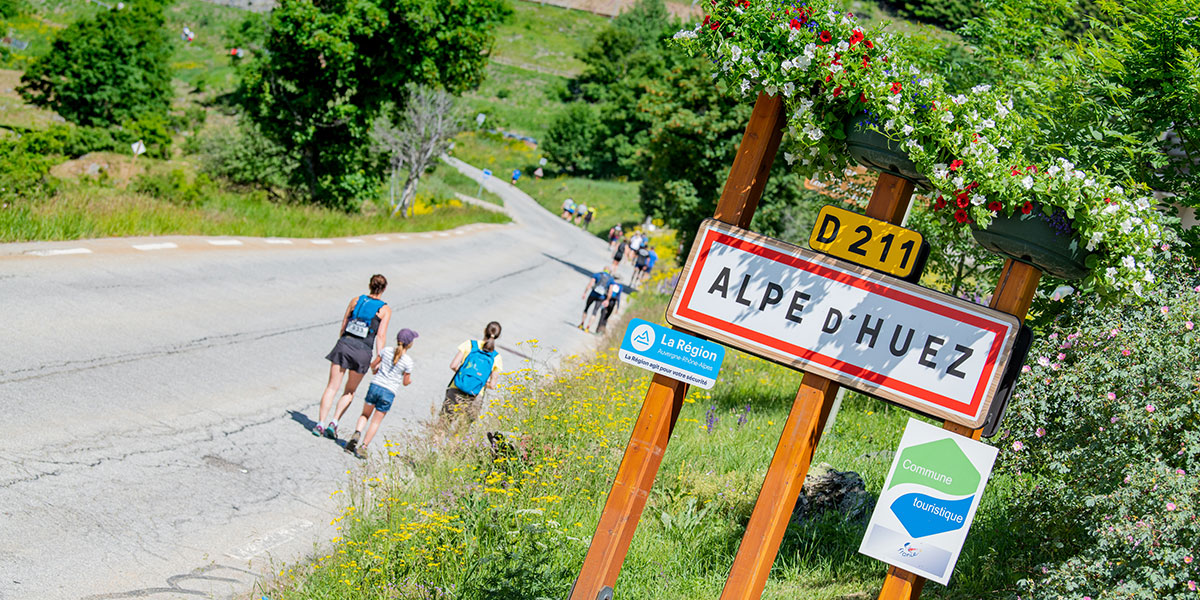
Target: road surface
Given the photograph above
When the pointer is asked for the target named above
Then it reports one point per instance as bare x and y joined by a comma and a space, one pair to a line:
158, 392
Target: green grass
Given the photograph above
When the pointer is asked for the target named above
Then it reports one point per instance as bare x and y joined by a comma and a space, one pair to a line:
447, 513
546, 37
517, 100
445, 181
89, 210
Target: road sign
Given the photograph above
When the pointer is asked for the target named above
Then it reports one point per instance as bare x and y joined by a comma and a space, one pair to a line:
928, 501
138, 148
672, 353
931, 352
869, 242
487, 173
542, 161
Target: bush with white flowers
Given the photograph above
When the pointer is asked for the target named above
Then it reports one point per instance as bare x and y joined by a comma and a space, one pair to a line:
833, 71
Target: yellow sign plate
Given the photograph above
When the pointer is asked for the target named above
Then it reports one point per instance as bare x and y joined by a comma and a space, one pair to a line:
868, 242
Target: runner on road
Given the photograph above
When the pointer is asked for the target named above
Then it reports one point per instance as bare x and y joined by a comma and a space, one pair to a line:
476, 366
568, 209
614, 235
516, 176
635, 242
614, 299
579, 211
393, 370
618, 255
595, 295
364, 326
639, 265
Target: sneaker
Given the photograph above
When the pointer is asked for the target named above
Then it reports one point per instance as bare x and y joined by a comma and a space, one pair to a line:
331, 430
352, 444
360, 452
317, 430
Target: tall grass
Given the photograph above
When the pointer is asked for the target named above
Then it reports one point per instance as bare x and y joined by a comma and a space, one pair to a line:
92, 211
451, 516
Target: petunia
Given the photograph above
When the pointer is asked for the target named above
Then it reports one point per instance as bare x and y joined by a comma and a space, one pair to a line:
896, 87
994, 206
1027, 208
955, 164
826, 37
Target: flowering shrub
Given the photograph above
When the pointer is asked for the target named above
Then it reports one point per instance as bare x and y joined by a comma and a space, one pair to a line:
1104, 436
836, 74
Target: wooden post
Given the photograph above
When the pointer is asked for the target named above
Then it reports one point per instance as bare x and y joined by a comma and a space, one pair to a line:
1013, 295
801, 432
648, 441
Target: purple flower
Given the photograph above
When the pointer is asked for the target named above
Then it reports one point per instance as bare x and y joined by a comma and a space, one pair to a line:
1040, 431
1170, 506
1018, 446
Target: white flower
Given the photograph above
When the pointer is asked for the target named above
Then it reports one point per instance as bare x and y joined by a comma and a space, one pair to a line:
1148, 277
1052, 171
980, 89
1001, 109
940, 171
745, 87
814, 133
987, 123
947, 117
890, 124
1137, 288
788, 89
978, 199
1110, 273
786, 66
814, 151
1095, 240
908, 129
925, 81
1141, 203
810, 51
835, 68
762, 56
684, 34
1128, 262
959, 99
771, 90
1027, 182
958, 182
789, 157
753, 73
735, 53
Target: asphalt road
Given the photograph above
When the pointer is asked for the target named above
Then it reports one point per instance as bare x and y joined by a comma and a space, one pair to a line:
157, 398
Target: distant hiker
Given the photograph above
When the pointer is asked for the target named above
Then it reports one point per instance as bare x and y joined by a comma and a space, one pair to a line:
618, 254
579, 211
476, 366
363, 328
587, 219
635, 242
568, 209
614, 299
595, 296
516, 176
650, 262
393, 370
641, 257
614, 235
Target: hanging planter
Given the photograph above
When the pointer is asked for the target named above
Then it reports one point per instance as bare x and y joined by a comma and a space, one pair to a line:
1048, 242
875, 151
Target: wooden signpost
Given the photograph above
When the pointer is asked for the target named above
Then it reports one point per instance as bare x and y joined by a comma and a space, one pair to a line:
811, 407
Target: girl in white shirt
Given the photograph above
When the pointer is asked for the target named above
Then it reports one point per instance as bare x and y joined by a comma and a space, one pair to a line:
393, 369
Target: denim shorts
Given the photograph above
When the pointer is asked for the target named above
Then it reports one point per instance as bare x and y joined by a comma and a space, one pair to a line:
381, 397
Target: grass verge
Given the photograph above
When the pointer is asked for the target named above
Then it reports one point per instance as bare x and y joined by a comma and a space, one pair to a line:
453, 516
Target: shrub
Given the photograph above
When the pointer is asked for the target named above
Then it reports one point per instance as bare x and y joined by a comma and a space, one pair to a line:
948, 14
242, 157
22, 173
1105, 435
173, 186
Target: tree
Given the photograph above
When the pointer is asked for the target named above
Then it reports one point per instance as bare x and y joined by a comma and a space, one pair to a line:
110, 69
424, 133
326, 70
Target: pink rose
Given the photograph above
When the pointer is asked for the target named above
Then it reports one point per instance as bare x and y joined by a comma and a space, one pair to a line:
1112, 396
1165, 309
1187, 325
1149, 408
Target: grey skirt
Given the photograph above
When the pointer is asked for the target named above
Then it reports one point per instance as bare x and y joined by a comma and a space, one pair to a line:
352, 354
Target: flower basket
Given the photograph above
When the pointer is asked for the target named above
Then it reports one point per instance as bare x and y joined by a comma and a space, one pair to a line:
1048, 242
875, 151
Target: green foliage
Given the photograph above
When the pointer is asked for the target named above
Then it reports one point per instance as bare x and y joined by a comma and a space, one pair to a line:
23, 173
109, 69
11, 8
174, 187
573, 139
243, 157
948, 14
1104, 432
325, 70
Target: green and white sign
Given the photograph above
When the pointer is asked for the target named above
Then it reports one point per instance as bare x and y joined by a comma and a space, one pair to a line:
928, 501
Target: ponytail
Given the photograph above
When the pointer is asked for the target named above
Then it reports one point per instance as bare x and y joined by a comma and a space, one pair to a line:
490, 333
397, 353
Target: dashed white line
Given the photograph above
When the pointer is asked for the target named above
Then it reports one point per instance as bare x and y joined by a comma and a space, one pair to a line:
322, 242
355, 241
403, 237
59, 252
382, 238
278, 241
158, 246
443, 234
225, 242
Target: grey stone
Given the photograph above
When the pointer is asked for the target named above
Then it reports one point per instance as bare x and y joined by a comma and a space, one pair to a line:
826, 488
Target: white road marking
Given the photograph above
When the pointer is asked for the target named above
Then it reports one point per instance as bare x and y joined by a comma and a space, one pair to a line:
270, 540
354, 241
225, 242
322, 242
382, 238
426, 235
443, 234
403, 237
59, 252
158, 246
278, 241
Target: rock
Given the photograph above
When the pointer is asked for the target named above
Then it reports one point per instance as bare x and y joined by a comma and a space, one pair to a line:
93, 169
826, 488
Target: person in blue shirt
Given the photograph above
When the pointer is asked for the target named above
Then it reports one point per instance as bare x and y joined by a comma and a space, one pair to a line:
596, 295
614, 300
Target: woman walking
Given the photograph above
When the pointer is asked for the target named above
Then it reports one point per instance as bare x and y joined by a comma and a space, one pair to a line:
476, 366
393, 370
363, 328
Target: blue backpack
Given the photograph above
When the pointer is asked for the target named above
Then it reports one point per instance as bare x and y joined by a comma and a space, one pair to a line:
359, 324
475, 370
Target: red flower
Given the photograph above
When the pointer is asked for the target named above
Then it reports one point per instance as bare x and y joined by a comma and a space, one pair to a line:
828, 78
797, 24
826, 37
837, 91
1027, 207
961, 216
862, 98
706, 19
715, 26
866, 59
896, 87
995, 206
940, 204
1016, 170
963, 200
856, 36
870, 44
955, 164
971, 186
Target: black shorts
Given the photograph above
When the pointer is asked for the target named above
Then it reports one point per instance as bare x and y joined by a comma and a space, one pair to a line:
594, 302
351, 354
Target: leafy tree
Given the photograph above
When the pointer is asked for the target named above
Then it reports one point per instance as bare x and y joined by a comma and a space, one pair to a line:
691, 148
110, 69
327, 68
573, 139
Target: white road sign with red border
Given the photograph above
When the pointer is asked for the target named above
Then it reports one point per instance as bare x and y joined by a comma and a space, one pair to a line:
929, 351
